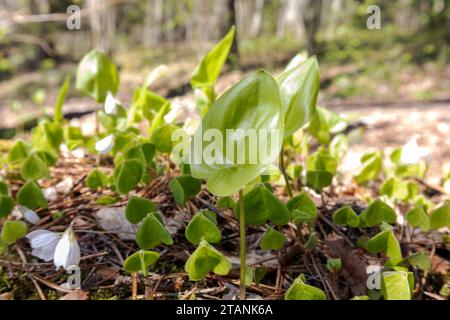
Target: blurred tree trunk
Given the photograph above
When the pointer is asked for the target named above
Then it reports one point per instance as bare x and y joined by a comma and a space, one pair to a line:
233, 58
258, 9
102, 20
153, 21
289, 18
311, 12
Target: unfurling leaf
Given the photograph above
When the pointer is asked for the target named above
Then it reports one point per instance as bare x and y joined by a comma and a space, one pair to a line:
203, 226
184, 188
140, 261
377, 212
440, 217
417, 218
346, 216
152, 232
272, 240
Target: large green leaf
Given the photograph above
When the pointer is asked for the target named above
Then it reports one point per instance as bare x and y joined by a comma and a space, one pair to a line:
96, 75
208, 70
272, 239
13, 231
299, 290
261, 205
252, 104
299, 88
140, 261
202, 226
137, 208
440, 217
396, 285
152, 232
204, 260
127, 175
31, 196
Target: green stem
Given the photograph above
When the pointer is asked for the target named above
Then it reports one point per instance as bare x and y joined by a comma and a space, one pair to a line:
242, 245
283, 171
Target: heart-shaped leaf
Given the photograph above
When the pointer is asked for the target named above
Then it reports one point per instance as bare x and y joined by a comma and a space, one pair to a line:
370, 167
299, 290
417, 218
395, 285
202, 226
184, 188
13, 231
96, 75
48, 136
127, 175
261, 205
318, 179
152, 232
440, 217
206, 259
162, 138
395, 189
19, 152
31, 196
299, 87
302, 208
138, 208
346, 216
385, 241
34, 168
140, 261
207, 72
6, 205
272, 239
96, 180
420, 260
377, 212
251, 106
321, 161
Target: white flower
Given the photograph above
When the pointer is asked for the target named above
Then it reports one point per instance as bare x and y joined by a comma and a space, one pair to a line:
63, 248
412, 153
105, 145
28, 214
43, 243
111, 104
67, 252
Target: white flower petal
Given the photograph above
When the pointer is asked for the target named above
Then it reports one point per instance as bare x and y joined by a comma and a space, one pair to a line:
111, 104
67, 252
29, 215
412, 153
45, 253
105, 145
41, 238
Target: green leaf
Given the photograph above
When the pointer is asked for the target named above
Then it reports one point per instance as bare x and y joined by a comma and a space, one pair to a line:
334, 265
58, 116
6, 205
162, 138
302, 208
252, 104
440, 217
299, 88
127, 175
417, 218
96, 75
272, 240
208, 70
385, 241
106, 200
3, 247
346, 216
13, 231
299, 290
370, 167
96, 180
395, 189
19, 152
226, 203
31, 196
34, 168
140, 261
311, 243
318, 179
395, 285
202, 227
4, 189
206, 259
420, 260
321, 161
377, 212
324, 123
184, 188
138, 208
152, 232
261, 205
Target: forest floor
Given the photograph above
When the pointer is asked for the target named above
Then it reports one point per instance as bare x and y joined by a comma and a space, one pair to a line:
106, 239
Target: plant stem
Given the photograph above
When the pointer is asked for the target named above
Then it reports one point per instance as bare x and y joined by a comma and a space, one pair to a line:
283, 171
242, 246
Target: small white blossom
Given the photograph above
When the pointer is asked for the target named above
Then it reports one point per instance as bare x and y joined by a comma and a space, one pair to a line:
63, 249
111, 104
28, 214
412, 153
105, 145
